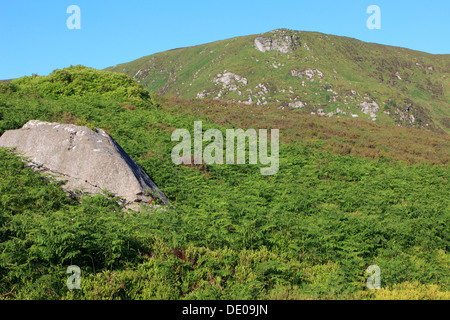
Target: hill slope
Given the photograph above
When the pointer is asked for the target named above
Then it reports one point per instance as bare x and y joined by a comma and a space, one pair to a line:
308, 232
312, 72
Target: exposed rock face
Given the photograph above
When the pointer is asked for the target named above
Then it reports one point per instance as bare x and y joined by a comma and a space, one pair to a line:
230, 80
308, 73
296, 104
284, 43
369, 108
89, 160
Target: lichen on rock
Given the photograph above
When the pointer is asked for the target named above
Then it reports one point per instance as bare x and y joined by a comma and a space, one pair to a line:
88, 160
281, 42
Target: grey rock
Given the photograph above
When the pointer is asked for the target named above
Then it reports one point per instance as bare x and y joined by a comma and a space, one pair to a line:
227, 79
369, 108
89, 160
296, 104
309, 73
284, 43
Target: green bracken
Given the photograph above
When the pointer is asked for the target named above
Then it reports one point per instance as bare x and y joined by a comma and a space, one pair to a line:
308, 232
351, 72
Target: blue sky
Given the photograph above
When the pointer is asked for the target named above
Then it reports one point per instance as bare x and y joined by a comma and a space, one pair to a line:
34, 37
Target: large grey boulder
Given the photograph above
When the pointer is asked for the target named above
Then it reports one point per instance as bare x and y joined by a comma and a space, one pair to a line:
89, 160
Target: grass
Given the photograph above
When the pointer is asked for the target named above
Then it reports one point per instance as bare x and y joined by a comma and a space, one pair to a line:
348, 194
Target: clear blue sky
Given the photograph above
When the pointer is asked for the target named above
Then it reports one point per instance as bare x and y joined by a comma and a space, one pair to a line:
35, 38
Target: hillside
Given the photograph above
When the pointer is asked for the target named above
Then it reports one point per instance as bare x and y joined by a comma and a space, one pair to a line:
342, 200
309, 72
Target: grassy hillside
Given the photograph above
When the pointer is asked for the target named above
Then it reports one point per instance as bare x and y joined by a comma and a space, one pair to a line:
329, 75
308, 232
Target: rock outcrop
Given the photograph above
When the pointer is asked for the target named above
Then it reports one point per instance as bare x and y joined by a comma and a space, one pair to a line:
284, 43
296, 104
89, 160
308, 73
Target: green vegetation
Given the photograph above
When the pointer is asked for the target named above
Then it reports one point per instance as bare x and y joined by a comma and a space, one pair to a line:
351, 72
308, 232
79, 80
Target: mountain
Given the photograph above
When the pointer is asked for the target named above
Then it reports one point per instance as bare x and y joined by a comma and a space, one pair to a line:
311, 72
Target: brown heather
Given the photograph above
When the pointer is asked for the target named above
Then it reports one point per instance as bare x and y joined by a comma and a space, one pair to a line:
343, 136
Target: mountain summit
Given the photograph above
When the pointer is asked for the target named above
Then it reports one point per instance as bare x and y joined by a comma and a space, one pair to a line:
309, 72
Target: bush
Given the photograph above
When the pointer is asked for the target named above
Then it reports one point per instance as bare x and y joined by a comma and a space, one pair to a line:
308, 232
